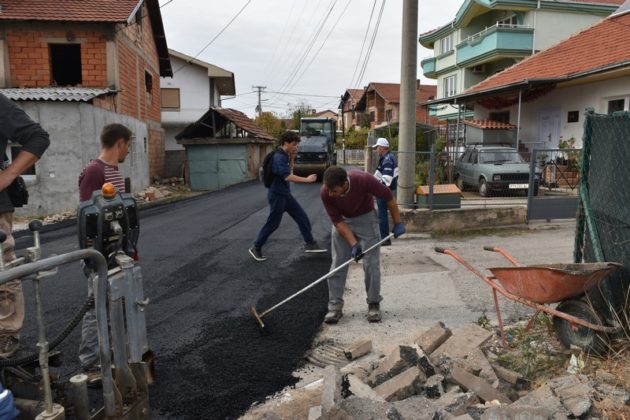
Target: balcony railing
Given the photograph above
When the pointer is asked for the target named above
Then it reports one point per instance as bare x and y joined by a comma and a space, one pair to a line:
428, 67
496, 40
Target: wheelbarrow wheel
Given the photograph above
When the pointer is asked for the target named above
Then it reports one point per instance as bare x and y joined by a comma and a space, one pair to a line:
590, 341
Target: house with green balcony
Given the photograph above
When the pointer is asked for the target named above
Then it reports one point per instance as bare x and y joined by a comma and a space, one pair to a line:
488, 36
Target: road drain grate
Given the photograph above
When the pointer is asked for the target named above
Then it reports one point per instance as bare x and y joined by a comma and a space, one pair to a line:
326, 353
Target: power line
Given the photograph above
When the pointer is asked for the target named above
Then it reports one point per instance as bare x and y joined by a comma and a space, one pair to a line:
272, 63
303, 94
292, 52
369, 52
322, 45
367, 31
309, 47
216, 36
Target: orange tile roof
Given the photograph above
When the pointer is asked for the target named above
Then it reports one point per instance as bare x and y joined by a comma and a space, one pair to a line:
391, 92
68, 10
388, 91
489, 124
425, 93
355, 94
243, 122
597, 47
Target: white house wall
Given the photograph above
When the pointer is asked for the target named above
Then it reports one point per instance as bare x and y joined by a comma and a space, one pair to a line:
74, 130
194, 97
576, 98
552, 27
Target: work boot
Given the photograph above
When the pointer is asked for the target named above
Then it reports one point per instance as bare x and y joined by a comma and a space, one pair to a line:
257, 254
94, 375
314, 248
387, 243
8, 346
333, 316
374, 312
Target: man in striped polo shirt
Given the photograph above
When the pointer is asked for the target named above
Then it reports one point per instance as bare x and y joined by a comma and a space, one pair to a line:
115, 145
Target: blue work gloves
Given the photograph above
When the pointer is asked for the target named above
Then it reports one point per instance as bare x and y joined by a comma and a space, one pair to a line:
356, 252
399, 230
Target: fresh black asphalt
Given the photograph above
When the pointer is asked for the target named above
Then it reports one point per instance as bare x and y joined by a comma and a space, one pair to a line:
212, 361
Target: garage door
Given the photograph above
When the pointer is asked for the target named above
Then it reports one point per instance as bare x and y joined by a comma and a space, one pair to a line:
213, 167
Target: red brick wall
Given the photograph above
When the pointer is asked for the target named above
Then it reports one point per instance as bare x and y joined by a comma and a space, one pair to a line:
29, 55
156, 153
136, 54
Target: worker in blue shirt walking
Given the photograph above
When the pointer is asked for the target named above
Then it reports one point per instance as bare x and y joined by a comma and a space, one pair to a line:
387, 174
281, 200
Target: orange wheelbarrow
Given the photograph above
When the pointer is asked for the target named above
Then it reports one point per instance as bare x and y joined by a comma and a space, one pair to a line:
574, 320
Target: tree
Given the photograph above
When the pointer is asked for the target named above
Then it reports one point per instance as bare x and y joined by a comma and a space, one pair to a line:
300, 110
270, 123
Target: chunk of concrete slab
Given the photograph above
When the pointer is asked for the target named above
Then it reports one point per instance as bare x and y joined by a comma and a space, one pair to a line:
463, 341
456, 402
433, 338
483, 389
416, 407
401, 386
361, 408
511, 377
434, 386
398, 360
362, 390
462, 417
516, 413
475, 361
331, 389
358, 349
315, 413
543, 397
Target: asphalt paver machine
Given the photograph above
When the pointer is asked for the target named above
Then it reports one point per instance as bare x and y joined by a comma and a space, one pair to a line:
108, 230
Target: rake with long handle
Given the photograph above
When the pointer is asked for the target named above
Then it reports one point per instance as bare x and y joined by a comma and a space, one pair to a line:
258, 316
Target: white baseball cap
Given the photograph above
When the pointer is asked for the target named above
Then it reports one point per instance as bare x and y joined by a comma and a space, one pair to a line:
381, 141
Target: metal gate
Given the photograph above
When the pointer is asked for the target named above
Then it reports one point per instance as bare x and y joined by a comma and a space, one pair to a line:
557, 172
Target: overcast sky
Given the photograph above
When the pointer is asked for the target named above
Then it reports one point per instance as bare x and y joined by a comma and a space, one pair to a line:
303, 51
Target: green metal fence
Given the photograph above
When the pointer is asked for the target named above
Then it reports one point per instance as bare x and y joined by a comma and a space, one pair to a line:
603, 218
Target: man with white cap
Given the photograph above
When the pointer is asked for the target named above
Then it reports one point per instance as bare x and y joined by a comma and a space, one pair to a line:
387, 174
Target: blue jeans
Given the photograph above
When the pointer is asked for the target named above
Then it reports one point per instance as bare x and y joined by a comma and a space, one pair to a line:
278, 204
383, 217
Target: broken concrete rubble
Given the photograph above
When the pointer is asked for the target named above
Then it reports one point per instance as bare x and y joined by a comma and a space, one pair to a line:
433, 338
397, 386
403, 385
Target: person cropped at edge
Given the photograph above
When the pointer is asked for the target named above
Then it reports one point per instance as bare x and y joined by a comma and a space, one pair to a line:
349, 201
387, 173
115, 146
18, 127
281, 200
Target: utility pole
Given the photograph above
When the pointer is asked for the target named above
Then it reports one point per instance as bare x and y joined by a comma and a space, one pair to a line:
407, 133
259, 106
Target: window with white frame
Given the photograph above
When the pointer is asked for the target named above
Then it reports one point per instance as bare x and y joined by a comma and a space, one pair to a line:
450, 86
446, 44
508, 22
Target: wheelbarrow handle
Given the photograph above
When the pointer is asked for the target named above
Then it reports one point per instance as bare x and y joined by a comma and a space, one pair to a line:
489, 248
439, 250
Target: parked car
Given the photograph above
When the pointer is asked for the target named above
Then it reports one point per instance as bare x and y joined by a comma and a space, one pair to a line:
493, 168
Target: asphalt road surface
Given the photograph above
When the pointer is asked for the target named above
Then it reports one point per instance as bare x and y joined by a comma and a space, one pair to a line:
212, 360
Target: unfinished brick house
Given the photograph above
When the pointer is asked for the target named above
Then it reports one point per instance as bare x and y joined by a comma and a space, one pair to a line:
75, 66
